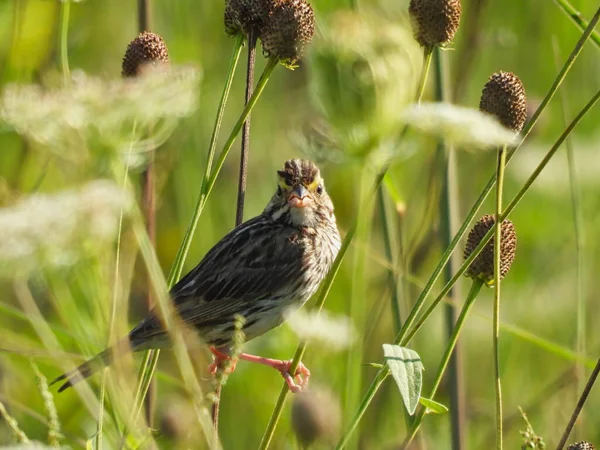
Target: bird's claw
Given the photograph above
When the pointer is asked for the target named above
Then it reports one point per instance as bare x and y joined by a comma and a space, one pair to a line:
298, 382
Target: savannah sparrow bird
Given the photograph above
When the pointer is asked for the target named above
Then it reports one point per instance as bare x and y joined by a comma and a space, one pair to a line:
261, 270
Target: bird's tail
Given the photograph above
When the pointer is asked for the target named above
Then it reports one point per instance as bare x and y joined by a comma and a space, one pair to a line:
91, 366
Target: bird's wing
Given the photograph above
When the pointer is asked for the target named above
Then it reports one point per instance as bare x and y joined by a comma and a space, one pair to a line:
256, 260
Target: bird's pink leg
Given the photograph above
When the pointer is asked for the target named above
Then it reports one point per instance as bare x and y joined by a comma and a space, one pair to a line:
296, 383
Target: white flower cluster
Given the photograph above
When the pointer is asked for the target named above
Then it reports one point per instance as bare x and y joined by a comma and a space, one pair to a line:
53, 230
465, 127
337, 333
92, 108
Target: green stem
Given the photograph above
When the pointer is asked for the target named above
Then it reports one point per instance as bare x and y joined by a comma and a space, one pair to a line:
577, 18
64, 33
448, 209
472, 295
497, 280
470, 216
387, 227
427, 54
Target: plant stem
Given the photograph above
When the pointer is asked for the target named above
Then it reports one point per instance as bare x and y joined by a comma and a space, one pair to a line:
497, 280
239, 218
149, 208
579, 242
577, 18
471, 296
579, 406
64, 44
448, 208
427, 53
387, 227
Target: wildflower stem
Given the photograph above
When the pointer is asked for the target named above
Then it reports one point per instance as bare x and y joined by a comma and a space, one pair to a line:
401, 339
584, 396
239, 217
496, 315
65, 11
578, 19
448, 209
471, 296
427, 56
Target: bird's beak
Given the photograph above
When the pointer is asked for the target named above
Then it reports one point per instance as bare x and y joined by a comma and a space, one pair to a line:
299, 198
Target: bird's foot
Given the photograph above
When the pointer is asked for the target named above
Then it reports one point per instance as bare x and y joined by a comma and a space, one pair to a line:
222, 361
296, 383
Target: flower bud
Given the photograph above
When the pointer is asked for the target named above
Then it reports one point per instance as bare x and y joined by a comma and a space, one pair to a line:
482, 267
146, 49
583, 445
504, 97
241, 16
434, 21
288, 31
315, 416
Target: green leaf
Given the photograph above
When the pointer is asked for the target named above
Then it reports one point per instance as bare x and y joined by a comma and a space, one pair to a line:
433, 407
407, 370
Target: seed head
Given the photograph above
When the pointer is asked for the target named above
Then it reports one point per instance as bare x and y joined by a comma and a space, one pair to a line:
241, 16
315, 416
289, 30
434, 21
504, 97
146, 49
583, 445
483, 266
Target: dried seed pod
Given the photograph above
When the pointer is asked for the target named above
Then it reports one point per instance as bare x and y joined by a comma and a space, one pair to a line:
315, 416
146, 49
482, 267
583, 445
288, 31
241, 16
434, 21
504, 97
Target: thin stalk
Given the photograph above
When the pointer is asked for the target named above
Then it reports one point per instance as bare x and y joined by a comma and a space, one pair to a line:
427, 54
584, 396
579, 241
387, 226
144, 15
496, 315
471, 296
448, 208
577, 18
239, 215
470, 216
65, 11
149, 202
206, 187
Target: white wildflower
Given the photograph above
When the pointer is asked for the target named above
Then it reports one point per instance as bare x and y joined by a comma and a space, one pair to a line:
104, 112
336, 332
59, 229
461, 126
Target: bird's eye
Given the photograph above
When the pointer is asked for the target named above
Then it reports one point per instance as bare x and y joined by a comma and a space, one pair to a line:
320, 189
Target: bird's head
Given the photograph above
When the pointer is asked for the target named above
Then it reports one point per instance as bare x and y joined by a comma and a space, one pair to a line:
300, 199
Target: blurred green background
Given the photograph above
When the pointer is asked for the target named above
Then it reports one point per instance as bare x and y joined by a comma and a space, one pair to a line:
539, 294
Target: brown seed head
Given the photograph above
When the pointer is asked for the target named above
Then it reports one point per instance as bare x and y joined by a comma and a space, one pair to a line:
241, 16
146, 49
504, 97
583, 445
289, 30
483, 266
434, 21
315, 416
